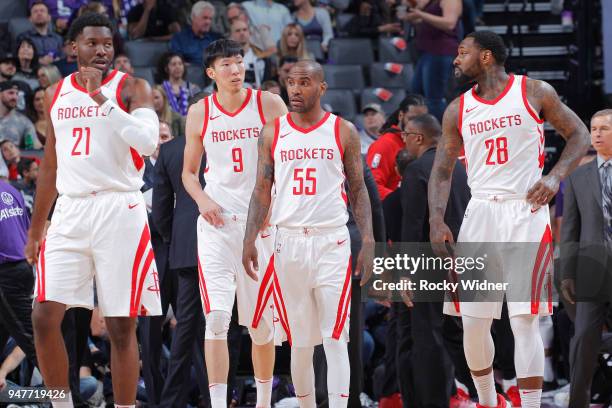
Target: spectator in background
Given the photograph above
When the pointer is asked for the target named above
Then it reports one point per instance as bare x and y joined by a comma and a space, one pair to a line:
68, 64
171, 74
28, 171
268, 13
260, 35
48, 75
123, 64
12, 157
36, 114
257, 68
373, 120
153, 19
381, 154
284, 66
272, 87
165, 114
437, 41
192, 41
27, 63
315, 22
373, 19
293, 43
15, 126
47, 42
393, 204
8, 69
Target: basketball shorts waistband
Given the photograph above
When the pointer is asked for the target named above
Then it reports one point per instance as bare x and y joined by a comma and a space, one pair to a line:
310, 231
499, 197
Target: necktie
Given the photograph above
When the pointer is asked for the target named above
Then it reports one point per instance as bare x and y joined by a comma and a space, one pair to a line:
606, 198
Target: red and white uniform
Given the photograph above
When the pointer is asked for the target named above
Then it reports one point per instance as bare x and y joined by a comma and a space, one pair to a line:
230, 140
99, 227
504, 152
312, 281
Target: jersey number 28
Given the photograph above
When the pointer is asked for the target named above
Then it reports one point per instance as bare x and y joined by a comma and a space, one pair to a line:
497, 150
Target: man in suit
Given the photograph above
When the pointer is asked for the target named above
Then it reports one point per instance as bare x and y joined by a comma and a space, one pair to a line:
586, 236
428, 380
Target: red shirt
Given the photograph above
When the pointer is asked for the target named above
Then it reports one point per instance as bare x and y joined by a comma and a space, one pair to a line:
381, 159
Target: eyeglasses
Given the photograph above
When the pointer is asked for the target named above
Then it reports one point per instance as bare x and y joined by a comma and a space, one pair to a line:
406, 134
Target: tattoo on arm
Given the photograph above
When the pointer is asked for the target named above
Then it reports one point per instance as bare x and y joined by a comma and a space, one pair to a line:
446, 156
261, 197
358, 193
565, 122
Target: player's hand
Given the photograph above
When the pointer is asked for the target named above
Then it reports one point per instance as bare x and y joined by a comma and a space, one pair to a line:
543, 191
92, 77
568, 289
407, 297
441, 238
211, 212
249, 260
365, 261
31, 251
2, 382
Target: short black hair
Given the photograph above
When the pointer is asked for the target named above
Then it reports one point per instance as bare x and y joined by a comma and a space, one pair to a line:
429, 125
24, 165
36, 3
222, 48
89, 20
488, 40
408, 101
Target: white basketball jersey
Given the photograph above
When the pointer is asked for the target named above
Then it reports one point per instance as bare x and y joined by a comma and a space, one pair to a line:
230, 141
308, 174
503, 140
91, 157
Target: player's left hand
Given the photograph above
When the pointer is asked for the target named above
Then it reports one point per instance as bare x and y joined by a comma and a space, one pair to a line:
543, 191
92, 77
249, 260
365, 261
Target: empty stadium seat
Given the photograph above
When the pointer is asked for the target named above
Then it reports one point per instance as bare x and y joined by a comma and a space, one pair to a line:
351, 51
341, 21
344, 76
10, 10
145, 73
381, 77
388, 52
195, 75
369, 96
314, 47
341, 101
18, 26
145, 53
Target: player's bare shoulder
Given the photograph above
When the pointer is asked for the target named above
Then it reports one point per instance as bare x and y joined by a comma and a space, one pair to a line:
451, 114
348, 133
273, 105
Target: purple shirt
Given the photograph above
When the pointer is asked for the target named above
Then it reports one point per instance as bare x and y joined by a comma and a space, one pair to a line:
432, 40
14, 224
66, 8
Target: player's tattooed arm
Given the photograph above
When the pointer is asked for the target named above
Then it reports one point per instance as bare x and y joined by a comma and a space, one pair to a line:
259, 205
440, 179
46, 192
358, 197
543, 98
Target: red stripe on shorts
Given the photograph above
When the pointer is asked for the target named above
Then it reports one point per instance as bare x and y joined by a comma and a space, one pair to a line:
280, 306
143, 275
343, 303
203, 291
264, 293
540, 268
145, 238
41, 281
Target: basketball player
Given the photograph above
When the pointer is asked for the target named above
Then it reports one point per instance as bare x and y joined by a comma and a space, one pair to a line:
227, 125
102, 122
499, 123
306, 155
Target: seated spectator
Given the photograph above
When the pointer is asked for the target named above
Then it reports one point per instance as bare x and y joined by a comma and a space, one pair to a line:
193, 40
171, 73
260, 34
68, 64
293, 44
373, 120
372, 20
27, 63
15, 126
8, 69
165, 114
12, 157
123, 64
153, 19
315, 22
102, 8
47, 42
63, 12
48, 75
36, 113
268, 13
285, 65
271, 86
28, 173
257, 68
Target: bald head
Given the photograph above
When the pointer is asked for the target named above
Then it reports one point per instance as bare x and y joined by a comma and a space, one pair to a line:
309, 68
305, 86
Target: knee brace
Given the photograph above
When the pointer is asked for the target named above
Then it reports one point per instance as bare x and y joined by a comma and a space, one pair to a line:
217, 325
261, 335
478, 343
528, 346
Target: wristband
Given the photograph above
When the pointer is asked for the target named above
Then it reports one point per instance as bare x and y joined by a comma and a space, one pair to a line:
96, 92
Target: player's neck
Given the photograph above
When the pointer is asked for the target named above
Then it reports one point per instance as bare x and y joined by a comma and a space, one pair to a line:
492, 82
175, 81
308, 119
231, 101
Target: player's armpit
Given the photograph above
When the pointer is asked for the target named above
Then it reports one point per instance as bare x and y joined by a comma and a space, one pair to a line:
273, 106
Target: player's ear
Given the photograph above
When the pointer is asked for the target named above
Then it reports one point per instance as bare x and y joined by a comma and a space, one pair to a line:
323, 87
210, 72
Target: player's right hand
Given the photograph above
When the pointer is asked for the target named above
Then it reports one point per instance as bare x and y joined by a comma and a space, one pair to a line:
211, 212
568, 289
31, 251
249, 260
440, 235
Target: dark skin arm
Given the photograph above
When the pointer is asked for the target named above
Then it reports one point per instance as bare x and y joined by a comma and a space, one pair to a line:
358, 197
544, 99
260, 200
439, 186
46, 191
